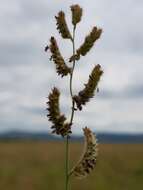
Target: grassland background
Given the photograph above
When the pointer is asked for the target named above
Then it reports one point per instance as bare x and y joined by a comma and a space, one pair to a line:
40, 166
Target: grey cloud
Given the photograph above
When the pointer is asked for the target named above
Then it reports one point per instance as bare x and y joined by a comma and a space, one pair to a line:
27, 76
121, 22
134, 91
36, 110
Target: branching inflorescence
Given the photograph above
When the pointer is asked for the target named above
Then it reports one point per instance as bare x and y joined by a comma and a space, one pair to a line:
60, 124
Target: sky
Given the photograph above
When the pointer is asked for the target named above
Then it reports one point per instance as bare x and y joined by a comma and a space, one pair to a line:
27, 76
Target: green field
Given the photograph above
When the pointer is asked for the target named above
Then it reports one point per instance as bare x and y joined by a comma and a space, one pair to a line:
40, 166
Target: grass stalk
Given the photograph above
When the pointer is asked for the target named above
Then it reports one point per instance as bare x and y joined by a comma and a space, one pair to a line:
72, 113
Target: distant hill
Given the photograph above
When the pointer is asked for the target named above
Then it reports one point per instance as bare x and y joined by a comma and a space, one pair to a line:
120, 138
102, 137
11, 135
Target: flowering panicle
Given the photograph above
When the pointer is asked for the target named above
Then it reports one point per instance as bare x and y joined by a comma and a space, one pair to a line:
87, 161
76, 14
61, 67
62, 25
88, 92
60, 127
88, 43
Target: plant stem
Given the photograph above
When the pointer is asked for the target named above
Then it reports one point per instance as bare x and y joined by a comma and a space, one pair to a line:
67, 161
71, 76
72, 113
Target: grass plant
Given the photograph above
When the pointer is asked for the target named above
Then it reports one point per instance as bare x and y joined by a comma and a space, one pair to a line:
60, 125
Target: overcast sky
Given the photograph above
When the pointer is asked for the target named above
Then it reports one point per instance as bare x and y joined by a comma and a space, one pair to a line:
27, 75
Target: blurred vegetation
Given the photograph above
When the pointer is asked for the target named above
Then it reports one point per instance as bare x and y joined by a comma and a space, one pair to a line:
40, 166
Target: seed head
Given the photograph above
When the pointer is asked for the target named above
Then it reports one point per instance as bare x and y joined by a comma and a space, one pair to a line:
88, 44
61, 67
62, 25
87, 161
76, 14
88, 92
60, 127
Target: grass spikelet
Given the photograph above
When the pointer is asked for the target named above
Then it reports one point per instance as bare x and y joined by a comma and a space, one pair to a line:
87, 161
61, 67
76, 14
62, 26
60, 127
88, 92
88, 43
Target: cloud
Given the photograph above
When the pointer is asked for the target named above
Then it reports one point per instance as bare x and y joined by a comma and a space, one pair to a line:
27, 75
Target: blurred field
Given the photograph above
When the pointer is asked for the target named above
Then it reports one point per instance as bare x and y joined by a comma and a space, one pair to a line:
40, 166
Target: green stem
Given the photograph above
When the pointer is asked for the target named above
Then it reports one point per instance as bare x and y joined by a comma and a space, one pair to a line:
67, 161
72, 114
71, 76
